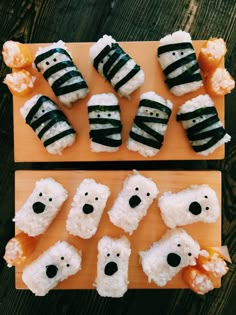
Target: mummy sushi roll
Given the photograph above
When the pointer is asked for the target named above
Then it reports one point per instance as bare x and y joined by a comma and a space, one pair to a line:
49, 123
133, 201
150, 124
116, 66
202, 125
179, 64
87, 208
41, 207
112, 266
165, 258
56, 65
104, 122
55, 265
197, 203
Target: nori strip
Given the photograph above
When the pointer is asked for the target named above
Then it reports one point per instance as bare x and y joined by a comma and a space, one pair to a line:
58, 136
210, 143
123, 60
103, 53
140, 123
57, 67
104, 121
101, 136
64, 78
202, 125
35, 108
71, 88
156, 105
196, 113
130, 75
179, 63
172, 47
103, 108
206, 134
149, 142
49, 53
47, 116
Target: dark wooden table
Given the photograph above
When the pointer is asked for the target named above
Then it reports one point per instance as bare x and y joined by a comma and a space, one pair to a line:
35, 21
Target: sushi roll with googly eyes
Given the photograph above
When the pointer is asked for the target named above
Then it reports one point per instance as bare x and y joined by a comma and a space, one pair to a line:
55, 265
179, 64
150, 123
41, 207
200, 120
165, 258
116, 66
105, 124
112, 266
56, 65
198, 203
49, 123
133, 201
88, 204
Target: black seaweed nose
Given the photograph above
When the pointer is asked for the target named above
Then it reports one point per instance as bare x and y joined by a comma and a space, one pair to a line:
38, 207
195, 208
51, 271
88, 208
134, 201
110, 268
173, 260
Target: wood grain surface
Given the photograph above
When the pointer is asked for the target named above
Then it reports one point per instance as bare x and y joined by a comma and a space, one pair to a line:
38, 21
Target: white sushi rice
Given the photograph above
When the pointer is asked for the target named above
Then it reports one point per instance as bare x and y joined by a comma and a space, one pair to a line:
197, 203
41, 207
58, 146
112, 266
193, 104
168, 58
104, 99
133, 201
134, 83
68, 98
53, 266
143, 149
87, 207
165, 258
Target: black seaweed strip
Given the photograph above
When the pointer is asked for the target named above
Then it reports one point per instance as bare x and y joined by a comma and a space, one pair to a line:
149, 142
210, 143
58, 136
130, 75
47, 116
196, 113
202, 125
104, 121
35, 108
107, 66
147, 129
205, 134
172, 47
57, 67
186, 77
103, 108
100, 56
51, 123
105, 132
152, 119
49, 53
156, 105
179, 63
99, 138
123, 60
70, 88
65, 77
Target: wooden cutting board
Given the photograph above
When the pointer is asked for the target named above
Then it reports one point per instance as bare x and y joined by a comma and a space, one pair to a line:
176, 146
150, 229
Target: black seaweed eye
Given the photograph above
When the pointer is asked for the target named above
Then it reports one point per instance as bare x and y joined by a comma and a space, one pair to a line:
136, 188
151, 113
47, 63
86, 194
96, 198
68, 265
205, 196
40, 194
148, 194
43, 110
194, 120
50, 199
189, 254
54, 59
109, 115
207, 208
182, 53
35, 117
108, 254
157, 114
173, 53
98, 115
117, 254
179, 245
62, 258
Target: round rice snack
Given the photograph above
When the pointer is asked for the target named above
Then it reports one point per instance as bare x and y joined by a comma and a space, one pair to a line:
88, 204
179, 64
116, 66
41, 207
56, 65
53, 266
49, 123
197, 203
200, 120
112, 266
133, 201
150, 123
165, 258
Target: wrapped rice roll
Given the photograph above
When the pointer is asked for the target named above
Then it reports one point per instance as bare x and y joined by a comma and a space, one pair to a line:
165, 258
198, 203
41, 207
19, 248
112, 266
87, 208
179, 64
202, 125
55, 265
133, 201
105, 124
49, 123
56, 65
150, 124
116, 66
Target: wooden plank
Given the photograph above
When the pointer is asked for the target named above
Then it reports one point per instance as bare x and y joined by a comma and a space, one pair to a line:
150, 229
176, 145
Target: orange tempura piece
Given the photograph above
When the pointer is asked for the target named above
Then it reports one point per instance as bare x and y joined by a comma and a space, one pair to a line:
16, 55
219, 82
197, 280
20, 82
